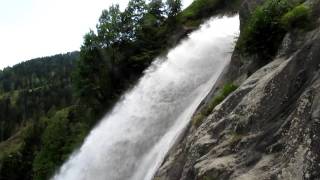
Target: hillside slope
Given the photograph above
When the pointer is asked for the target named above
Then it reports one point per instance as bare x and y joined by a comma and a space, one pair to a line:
32, 95
268, 128
30, 89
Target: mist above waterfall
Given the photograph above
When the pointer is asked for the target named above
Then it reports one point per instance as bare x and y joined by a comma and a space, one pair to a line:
131, 141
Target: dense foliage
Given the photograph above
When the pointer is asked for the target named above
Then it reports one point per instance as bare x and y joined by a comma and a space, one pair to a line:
298, 17
124, 45
264, 32
64, 131
200, 9
267, 26
30, 93
38, 72
30, 89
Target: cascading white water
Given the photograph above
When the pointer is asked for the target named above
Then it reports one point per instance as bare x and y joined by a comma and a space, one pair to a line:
132, 140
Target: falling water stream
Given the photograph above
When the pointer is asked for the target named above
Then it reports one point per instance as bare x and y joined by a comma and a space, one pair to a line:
131, 141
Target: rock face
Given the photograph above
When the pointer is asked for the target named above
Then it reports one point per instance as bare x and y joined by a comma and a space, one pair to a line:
269, 128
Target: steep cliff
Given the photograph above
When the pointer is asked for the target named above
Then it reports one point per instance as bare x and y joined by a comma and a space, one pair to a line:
269, 127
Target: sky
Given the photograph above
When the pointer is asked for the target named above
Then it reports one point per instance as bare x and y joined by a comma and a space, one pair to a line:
38, 28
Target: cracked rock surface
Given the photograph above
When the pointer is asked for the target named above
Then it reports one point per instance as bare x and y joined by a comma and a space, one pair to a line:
269, 128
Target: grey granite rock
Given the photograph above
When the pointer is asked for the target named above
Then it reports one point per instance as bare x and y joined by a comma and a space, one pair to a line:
269, 128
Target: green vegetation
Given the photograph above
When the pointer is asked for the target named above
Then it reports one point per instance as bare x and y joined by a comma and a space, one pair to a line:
11, 145
264, 32
197, 8
226, 90
124, 45
64, 132
268, 24
18, 164
205, 111
298, 17
38, 72
38, 149
200, 9
29, 90
198, 119
30, 94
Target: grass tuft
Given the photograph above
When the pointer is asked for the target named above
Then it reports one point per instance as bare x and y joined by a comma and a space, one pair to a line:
226, 90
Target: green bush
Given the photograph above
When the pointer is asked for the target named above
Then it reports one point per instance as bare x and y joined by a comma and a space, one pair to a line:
263, 32
226, 90
298, 17
200, 9
197, 7
65, 131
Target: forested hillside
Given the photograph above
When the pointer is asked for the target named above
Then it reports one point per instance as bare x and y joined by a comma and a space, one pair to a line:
29, 92
48, 105
30, 89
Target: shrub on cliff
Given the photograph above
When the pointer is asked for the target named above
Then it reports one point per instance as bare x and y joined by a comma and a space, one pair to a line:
298, 17
264, 32
200, 9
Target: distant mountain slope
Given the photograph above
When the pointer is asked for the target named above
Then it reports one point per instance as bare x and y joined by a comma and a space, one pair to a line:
38, 72
30, 89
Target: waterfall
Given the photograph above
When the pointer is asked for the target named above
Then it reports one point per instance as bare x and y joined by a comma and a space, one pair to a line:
132, 140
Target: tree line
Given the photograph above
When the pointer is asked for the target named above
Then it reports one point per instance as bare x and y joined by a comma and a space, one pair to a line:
123, 45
